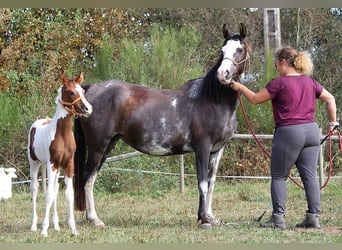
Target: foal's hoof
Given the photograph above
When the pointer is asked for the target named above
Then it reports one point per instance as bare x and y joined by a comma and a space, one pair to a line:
75, 233
206, 226
100, 224
44, 234
97, 222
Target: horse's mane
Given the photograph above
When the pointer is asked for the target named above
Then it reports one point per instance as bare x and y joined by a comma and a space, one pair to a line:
212, 88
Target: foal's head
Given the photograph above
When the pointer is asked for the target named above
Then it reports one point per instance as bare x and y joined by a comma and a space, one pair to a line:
234, 55
71, 97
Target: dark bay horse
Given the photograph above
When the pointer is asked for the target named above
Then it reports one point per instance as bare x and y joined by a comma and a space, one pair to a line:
198, 116
51, 144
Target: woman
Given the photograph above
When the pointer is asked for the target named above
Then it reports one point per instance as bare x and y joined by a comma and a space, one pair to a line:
297, 136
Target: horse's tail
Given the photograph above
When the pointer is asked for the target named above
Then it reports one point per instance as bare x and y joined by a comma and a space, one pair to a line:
79, 160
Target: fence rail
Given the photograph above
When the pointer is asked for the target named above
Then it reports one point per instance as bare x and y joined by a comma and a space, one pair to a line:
235, 136
181, 161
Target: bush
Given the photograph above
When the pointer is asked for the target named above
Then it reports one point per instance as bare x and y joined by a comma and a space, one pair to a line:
166, 60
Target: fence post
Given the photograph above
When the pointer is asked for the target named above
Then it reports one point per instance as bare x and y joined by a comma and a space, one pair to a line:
272, 36
181, 171
321, 162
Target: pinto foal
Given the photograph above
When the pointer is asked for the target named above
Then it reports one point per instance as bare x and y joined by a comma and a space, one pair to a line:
51, 143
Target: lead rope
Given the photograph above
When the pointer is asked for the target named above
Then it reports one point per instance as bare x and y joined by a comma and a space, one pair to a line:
267, 153
330, 153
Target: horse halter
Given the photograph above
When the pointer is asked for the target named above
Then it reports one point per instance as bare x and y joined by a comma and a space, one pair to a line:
70, 106
237, 63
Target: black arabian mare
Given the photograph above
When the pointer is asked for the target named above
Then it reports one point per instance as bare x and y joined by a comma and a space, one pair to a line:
199, 116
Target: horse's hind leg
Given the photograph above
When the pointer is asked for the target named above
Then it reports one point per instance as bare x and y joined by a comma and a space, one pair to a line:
69, 196
213, 167
94, 161
34, 185
90, 204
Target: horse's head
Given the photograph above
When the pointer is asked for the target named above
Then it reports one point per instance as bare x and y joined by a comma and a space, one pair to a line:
72, 97
234, 55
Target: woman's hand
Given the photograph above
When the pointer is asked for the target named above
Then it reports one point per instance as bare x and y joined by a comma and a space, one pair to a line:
333, 129
254, 98
235, 85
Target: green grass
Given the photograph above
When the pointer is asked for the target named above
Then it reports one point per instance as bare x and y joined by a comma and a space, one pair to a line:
171, 218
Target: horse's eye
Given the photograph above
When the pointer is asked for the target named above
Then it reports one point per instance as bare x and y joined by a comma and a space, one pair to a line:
239, 50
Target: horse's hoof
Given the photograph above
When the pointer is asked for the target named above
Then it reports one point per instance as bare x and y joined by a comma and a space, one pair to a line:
206, 226
216, 222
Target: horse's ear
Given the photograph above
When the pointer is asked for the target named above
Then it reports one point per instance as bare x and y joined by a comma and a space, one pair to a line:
64, 78
80, 78
225, 31
243, 30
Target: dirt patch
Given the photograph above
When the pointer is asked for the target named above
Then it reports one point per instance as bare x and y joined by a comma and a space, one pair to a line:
326, 230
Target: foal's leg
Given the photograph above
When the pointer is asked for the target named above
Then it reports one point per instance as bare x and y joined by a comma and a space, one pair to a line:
55, 214
34, 185
69, 197
49, 196
214, 163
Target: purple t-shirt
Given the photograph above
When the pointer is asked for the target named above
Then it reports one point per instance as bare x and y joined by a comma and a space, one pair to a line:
293, 99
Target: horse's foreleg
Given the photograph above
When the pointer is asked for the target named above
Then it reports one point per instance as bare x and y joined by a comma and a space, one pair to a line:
213, 167
90, 204
69, 197
202, 162
50, 197
34, 185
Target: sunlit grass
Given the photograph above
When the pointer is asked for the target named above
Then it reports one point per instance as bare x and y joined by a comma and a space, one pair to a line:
171, 218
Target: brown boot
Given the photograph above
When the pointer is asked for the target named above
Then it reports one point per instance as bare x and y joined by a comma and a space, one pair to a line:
310, 221
276, 221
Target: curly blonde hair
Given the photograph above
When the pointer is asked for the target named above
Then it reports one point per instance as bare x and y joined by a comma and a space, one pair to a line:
301, 61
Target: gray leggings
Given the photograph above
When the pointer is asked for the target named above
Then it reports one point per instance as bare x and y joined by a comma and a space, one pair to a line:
295, 145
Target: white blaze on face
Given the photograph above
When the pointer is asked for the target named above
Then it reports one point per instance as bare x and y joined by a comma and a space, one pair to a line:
80, 91
227, 68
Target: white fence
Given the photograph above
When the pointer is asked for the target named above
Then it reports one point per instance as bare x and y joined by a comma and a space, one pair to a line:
181, 162
6, 176
235, 136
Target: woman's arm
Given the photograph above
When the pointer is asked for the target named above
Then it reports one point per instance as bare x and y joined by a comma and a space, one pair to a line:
254, 98
330, 103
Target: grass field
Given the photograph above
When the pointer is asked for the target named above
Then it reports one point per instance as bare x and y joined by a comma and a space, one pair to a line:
171, 218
